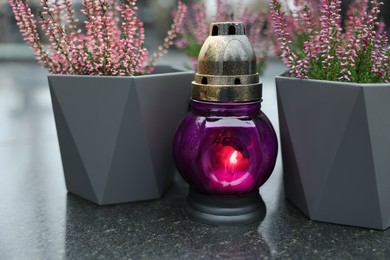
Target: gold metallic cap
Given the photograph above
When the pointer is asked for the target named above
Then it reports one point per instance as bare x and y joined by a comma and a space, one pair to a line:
227, 66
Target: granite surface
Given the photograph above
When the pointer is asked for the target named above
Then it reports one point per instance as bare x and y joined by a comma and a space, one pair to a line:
39, 220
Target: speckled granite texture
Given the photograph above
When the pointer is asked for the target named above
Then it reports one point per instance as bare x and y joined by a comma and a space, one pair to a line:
160, 230
39, 220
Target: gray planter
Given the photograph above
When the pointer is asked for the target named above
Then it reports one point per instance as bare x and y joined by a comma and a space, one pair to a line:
116, 133
335, 141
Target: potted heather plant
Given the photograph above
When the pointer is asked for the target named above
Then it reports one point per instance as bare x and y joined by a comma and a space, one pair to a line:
196, 23
115, 112
333, 112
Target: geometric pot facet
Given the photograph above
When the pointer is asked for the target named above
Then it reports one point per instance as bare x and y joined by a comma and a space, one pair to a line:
116, 132
335, 140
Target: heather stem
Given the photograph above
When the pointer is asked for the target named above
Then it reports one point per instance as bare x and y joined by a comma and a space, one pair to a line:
168, 40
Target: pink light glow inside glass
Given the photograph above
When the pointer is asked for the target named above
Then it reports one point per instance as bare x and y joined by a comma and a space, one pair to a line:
229, 169
225, 149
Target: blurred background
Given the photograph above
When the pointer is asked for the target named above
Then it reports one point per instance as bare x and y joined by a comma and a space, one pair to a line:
156, 15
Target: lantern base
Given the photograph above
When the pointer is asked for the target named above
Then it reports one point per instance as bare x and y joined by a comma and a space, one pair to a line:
225, 211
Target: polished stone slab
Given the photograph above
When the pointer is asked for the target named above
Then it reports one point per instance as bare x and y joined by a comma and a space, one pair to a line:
39, 220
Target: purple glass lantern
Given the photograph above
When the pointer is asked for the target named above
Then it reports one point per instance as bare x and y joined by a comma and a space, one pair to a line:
225, 148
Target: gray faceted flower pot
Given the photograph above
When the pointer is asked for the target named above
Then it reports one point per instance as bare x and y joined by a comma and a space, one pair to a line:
335, 140
116, 133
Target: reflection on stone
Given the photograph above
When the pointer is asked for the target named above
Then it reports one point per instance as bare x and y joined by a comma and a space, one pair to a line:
156, 230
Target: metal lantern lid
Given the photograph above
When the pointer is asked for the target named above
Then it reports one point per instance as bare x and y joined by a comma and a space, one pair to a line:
227, 66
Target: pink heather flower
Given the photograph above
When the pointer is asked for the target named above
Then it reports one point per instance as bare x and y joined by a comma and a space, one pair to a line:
357, 54
280, 24
180, 43
171, 35
111, 45
200, 28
